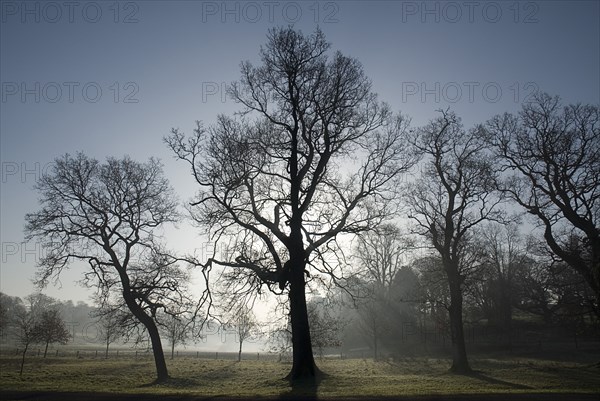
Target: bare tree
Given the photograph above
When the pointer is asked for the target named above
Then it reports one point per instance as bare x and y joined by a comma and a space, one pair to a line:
107, 215
111, 326
273, 191
8, 308
37, 322
325, 325
177, 329
25, 325
552, 157
373, 320
245, 325
280, 341
50, 328
379, 254
433, 287
39, 303
504, 257
452, 195
553, 290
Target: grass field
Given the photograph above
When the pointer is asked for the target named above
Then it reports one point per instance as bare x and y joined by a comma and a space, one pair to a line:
344, 378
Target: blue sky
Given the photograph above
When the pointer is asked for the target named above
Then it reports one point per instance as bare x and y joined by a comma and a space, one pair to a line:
112, 78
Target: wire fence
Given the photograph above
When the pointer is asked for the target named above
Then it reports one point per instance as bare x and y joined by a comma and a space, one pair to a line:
121, 353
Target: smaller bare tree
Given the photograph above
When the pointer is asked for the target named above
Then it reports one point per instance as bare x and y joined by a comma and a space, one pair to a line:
379, 253
245, 325
51, 328
177, 330
373, 322
325, 327
8, 309
25, 324
280, 341
111, 327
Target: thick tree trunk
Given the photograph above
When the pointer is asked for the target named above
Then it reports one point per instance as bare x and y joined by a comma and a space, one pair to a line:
303, 365
106, 352
240, 353
46, 349
162, 373
460, 363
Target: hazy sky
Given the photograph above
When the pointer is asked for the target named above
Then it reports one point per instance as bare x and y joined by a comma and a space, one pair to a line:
111, 79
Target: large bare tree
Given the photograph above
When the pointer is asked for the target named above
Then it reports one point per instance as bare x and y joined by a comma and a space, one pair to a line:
313, 156
107, 215
551, 155
453, 193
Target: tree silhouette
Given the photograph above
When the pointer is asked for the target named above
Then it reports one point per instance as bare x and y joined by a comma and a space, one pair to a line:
379, 254
325, 326
177, 329
245, 326
50, 328
272, 189
552, 156
25, 324
504, 256
111, 325
453, 194
106, 215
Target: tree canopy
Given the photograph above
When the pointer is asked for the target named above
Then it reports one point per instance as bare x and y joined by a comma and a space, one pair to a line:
312, 156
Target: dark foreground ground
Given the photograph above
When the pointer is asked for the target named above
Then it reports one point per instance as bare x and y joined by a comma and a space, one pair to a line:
62, 396
495, 378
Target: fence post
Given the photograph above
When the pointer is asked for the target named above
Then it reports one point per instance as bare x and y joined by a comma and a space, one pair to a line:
136, 354
177, 354
96, 353
258, 356
17, 352
197, 354
117, 352
56, 352
216, 355
77, 354
39, 352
